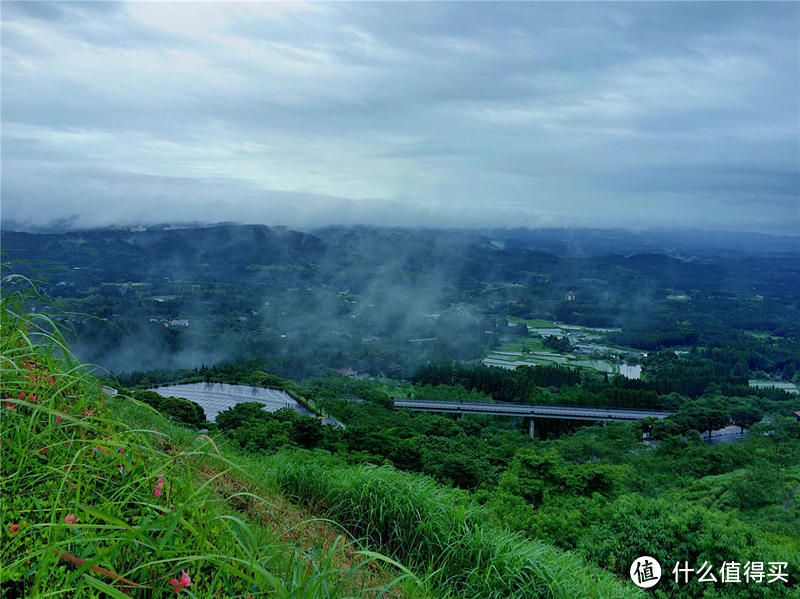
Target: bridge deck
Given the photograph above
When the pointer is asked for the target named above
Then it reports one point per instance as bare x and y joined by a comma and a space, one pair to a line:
531, 411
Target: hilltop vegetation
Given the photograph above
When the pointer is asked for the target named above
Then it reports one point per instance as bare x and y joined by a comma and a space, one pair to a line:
599, 492
103, 497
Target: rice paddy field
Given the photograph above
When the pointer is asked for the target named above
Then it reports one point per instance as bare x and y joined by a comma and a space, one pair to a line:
531, 351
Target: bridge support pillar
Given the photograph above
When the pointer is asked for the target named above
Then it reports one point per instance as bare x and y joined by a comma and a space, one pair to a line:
460, 416
531, 427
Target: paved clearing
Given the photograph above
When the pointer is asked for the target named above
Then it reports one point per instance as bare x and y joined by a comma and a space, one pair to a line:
218, 397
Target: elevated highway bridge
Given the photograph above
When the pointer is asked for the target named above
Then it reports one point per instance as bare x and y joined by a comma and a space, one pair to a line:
586, 413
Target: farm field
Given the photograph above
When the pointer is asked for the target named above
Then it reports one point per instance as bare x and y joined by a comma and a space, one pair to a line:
531, 351
766, 384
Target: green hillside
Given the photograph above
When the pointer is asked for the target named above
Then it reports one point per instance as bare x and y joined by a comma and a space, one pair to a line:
103, 497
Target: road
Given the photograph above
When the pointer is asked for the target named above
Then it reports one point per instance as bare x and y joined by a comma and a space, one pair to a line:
531, 411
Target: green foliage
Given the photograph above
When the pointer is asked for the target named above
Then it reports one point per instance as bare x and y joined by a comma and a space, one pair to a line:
559, 344
499, 383
97, 505
674, 531
181, 410
259, 378
439, 531
256, 429
706, 414
450, 393
537, 474
335, 387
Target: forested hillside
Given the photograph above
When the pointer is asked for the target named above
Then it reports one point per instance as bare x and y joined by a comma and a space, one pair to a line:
102, 497
385, 301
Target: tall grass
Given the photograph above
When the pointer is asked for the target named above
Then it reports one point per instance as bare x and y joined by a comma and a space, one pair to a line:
439, 531
96, 507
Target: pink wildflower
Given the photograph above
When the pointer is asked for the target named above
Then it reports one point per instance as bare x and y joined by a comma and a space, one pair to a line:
157, 492
43, 451
184, 581
14, 528
70, 519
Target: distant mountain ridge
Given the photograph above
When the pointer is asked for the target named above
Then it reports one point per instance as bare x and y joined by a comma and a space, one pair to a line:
679, 243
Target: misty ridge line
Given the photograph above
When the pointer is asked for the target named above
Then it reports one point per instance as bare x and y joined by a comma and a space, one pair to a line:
356, 297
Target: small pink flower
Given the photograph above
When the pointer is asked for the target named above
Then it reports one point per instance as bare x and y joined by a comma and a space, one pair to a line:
157, 492
14, 528
43, 451
184, 581
70, 519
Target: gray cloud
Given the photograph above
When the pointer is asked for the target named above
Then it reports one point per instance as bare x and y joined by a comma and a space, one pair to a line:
456, 114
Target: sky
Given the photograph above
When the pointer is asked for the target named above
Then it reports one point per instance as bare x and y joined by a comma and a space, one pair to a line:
522, 114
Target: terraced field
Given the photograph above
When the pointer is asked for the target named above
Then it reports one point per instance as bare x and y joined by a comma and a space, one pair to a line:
584, 340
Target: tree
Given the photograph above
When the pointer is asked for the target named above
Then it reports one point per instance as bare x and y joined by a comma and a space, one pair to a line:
182, 410
559, 344
705, 414
745, 416
240, 414
741, 369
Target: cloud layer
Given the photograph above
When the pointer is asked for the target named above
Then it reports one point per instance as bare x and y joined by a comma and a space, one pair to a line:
446, 114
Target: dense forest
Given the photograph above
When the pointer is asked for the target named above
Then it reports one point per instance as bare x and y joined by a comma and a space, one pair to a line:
386, 301
599, 491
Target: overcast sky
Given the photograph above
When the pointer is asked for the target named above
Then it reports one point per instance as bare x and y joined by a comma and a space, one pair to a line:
451, 114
